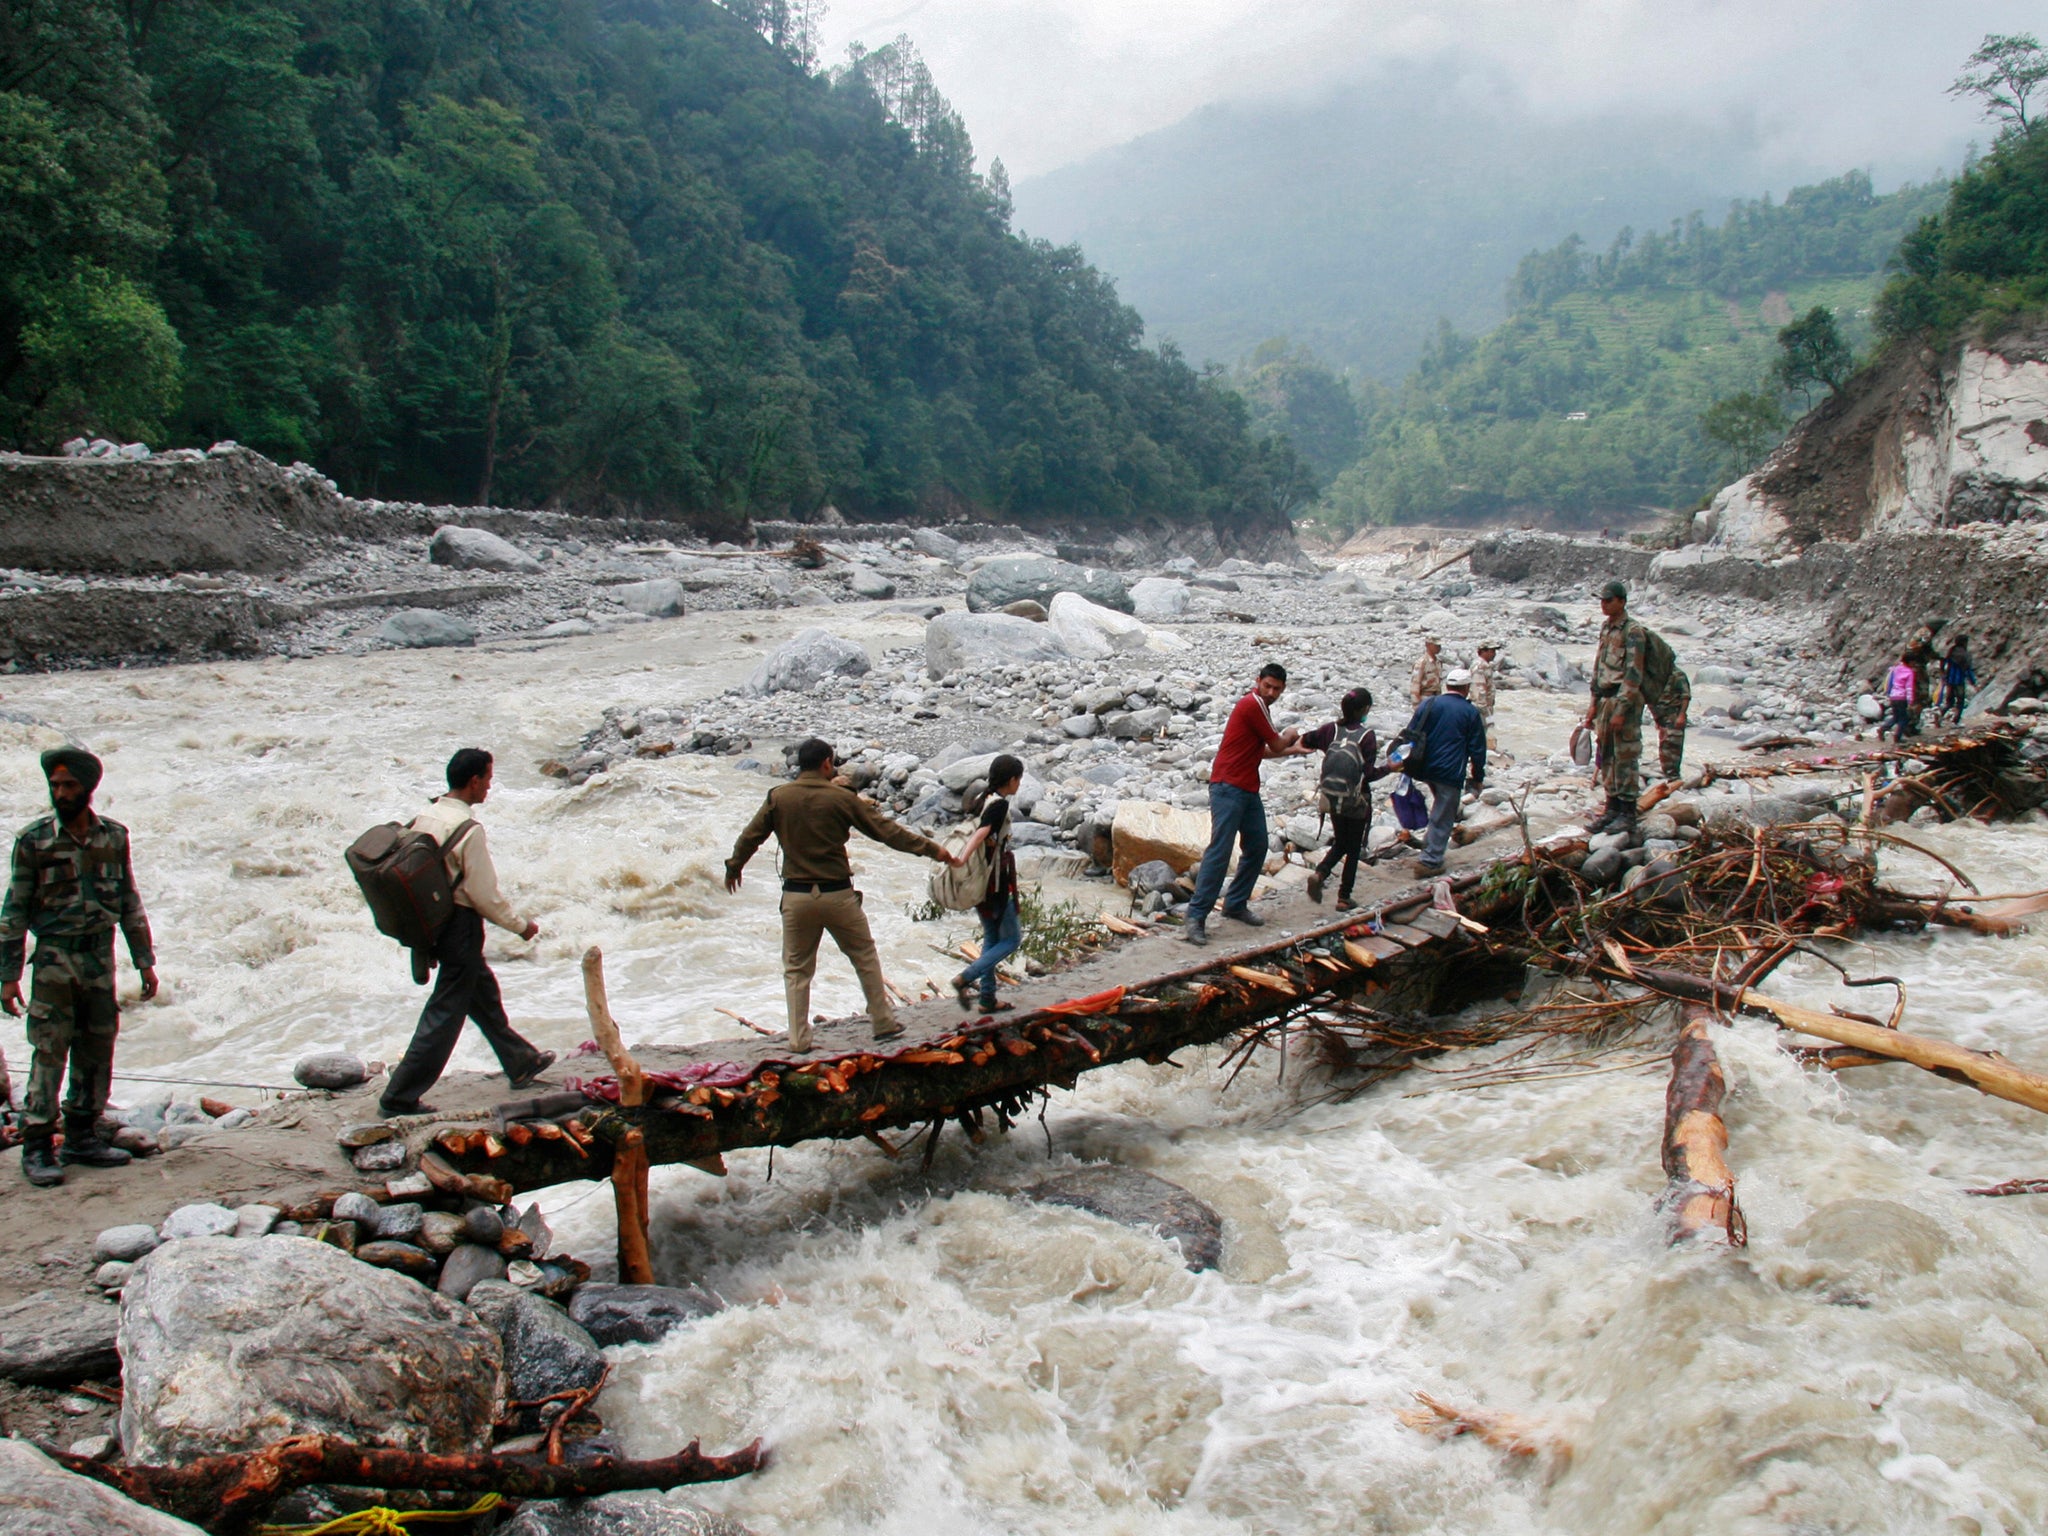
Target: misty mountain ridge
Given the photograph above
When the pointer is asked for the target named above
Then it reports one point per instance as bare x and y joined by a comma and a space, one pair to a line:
1353, 224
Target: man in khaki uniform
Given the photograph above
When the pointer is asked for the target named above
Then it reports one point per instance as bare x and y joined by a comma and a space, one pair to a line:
1427, 681
812, 817
72, 883
465, 987
1484, 670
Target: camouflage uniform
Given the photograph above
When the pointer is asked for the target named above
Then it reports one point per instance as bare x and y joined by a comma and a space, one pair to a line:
1669, 709
1618, 708
1481, 693
71, 896
1427, 681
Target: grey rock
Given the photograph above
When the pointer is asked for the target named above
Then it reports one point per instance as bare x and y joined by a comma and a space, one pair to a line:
333, 1070
202, 1219
806, 658
403, 1258
477, 549
94, 1447
1153, 875
1010, 578
564, 629
423, 628
1138, 724
929, 541
125, 1243
483, 1225
535, 1225
113, 1274
383, 1157
637, 1314
255, 1220
469, 1266
1026, 608
1134, 1198
357, 1207
1159, 600
1604, 867
440, 1231
546, 1351
398, 1223
614, 1514
57, 1336
866, 581
661, 598
965, 642
1080, 726
40, 1498
227, 1346
1215, 582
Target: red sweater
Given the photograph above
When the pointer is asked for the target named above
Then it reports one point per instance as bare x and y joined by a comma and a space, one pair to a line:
1245, 740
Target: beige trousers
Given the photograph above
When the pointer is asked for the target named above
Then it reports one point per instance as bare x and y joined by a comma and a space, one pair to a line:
807, 916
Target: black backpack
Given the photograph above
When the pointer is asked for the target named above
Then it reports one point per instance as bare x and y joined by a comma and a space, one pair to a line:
1344, 765
403, 875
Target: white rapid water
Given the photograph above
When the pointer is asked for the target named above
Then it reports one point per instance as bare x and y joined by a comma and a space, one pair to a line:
927, 1354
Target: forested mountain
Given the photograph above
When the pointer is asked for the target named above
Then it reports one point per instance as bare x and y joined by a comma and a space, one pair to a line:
1351, 222
1588, 401
614, 253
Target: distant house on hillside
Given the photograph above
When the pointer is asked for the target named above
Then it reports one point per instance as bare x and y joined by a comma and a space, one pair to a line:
1575, 416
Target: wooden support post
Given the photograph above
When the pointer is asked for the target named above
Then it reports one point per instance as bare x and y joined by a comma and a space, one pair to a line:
1701, 1197
629, 1165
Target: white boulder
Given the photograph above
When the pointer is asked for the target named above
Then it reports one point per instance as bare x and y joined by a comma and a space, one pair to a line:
956, 642
805, 658
1091, 631
1159, 600
478, 549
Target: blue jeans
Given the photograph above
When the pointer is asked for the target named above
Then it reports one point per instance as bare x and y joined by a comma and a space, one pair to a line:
1000, 937
1235, 816
1443, 815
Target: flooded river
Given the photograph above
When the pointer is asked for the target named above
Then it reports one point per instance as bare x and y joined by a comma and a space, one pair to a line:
926, 1354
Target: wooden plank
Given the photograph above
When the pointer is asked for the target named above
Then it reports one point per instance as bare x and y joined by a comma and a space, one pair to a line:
1377, 947
1408, 935
1440, 924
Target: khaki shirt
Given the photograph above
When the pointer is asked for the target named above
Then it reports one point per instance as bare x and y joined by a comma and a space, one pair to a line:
470, 869
1482, 684
1428, 679
812, 819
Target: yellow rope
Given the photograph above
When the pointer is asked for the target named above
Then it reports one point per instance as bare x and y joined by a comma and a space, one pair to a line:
383, 1522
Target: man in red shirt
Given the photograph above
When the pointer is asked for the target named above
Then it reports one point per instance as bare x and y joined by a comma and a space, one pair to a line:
1236, 813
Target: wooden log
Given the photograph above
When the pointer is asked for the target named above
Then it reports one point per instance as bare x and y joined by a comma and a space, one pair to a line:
629, 1162
1700, 1199
230, 1493
1985, 1071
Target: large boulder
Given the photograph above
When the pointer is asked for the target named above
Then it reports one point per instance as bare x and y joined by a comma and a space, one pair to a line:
929, 541
661, 598
866, 581
1011, 578
637, 1314
1145, 830
418, 628
1134, 1198
229, 1345
40, 1498
1159, 599
56, 1336
474, 549
805, 658
964, 642
614, 1514
1092, 631
546, 1352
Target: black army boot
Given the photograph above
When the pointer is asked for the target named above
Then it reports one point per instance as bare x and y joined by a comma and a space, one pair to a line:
82, 1144
39, 1164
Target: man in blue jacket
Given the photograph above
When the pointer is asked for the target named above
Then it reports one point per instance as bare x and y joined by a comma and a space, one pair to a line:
1449, 744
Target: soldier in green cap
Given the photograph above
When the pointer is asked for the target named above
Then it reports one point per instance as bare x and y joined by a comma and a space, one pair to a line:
72, 885
1615, 714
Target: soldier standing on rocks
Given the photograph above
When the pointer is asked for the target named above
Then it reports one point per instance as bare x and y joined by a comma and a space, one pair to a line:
1670, 699
1427, 681
72, 885
1616, 711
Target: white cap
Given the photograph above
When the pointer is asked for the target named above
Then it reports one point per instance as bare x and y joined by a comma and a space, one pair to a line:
1457, 677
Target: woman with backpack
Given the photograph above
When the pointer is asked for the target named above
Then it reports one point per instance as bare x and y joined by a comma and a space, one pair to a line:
1349, 748
1001, 930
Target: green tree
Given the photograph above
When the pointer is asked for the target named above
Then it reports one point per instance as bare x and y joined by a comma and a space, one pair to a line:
2003, 74
1748, 424
1811, 351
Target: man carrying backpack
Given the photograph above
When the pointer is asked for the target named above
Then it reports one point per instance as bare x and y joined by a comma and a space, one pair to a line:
1450, 744
812, 817
465, 987
1349, 749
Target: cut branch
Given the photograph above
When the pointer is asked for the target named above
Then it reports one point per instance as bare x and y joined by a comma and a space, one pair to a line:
629, 1165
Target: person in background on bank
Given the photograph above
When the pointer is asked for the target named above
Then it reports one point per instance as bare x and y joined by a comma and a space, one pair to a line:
1427, 680
1449, 747
466, 987
1349, 747
1485, 669
1926, 667
1899, 684
1958, 677
1236, 813
1001, 929
1615, 713
811, 818
72, 883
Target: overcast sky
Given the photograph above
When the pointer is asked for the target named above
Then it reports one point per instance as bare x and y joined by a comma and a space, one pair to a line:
1836, 83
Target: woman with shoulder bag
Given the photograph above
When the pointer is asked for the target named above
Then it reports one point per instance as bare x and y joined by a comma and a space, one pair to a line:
1001, 930
1349, 747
